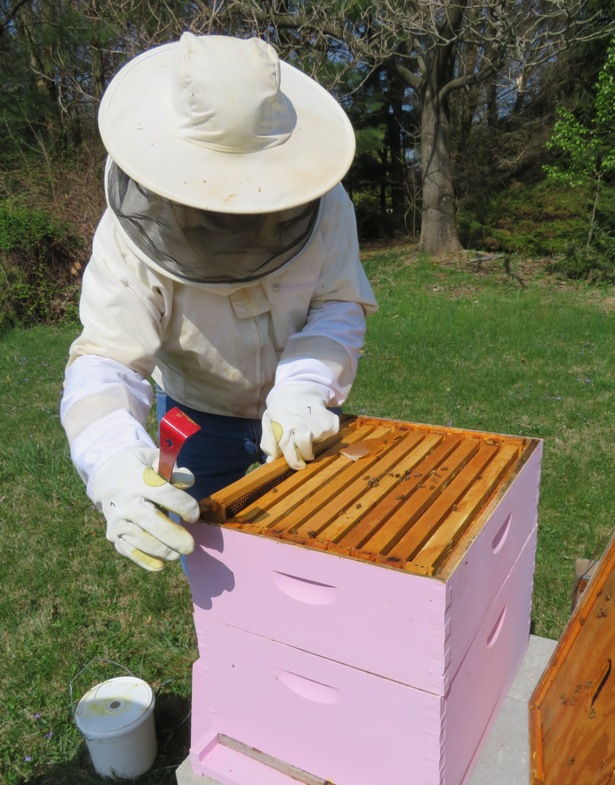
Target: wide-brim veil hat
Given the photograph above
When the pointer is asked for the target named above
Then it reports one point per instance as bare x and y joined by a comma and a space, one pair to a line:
220, 123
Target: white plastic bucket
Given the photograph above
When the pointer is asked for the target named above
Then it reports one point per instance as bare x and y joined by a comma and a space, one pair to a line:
116, 718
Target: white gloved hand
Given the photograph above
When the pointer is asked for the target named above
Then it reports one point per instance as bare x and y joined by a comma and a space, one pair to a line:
296, 417
132, 497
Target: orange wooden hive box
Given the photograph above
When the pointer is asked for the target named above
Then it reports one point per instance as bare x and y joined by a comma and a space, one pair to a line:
346, 614
572, 709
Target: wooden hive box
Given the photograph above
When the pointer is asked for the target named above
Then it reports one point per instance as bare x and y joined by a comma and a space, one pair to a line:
572, 709
360, 622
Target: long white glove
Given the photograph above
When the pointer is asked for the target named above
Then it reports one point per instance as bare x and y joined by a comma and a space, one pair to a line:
133, 498
296, 417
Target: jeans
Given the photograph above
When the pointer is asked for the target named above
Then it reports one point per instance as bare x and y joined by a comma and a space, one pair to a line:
221, 452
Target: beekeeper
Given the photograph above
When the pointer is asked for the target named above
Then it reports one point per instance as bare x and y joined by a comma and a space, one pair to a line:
225, 268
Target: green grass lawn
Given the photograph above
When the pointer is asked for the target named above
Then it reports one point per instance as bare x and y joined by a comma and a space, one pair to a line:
451, 345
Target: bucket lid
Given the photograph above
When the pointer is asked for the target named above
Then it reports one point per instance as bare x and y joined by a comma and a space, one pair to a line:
113, 706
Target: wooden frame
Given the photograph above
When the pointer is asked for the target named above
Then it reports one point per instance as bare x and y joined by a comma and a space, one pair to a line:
383, 491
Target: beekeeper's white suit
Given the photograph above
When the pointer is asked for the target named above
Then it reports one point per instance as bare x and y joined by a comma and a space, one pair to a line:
226, 267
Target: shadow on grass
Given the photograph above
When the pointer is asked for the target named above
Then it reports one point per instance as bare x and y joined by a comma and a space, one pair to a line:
172, 720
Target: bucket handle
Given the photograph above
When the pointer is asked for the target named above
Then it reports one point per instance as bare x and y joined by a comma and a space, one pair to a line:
85, 667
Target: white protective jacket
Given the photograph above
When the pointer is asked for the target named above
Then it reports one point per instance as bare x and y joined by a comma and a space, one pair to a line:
218, 348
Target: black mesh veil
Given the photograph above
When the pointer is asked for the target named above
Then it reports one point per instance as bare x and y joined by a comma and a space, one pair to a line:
203, 246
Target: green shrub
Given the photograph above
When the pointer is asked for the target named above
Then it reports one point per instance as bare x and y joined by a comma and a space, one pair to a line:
594, 264
39, 278
471, 230
542, 219
605, 209
371, 224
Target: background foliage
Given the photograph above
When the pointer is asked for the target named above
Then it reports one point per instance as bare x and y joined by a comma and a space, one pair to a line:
516, 119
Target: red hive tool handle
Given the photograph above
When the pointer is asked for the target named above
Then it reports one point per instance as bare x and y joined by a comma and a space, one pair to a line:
175, 428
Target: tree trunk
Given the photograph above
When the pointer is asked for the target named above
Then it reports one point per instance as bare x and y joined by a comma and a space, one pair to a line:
438, 225
398, 166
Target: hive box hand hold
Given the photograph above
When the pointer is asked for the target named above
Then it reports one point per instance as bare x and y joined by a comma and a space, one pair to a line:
361, 621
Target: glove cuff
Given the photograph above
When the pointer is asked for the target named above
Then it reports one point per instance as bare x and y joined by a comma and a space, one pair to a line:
99, 442
302, 388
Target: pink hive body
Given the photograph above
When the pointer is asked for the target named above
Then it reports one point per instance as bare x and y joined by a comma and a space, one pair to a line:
360, 622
